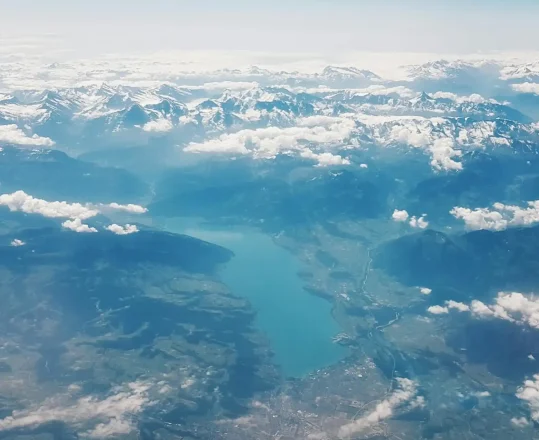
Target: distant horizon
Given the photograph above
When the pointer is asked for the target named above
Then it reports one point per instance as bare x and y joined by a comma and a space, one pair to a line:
45, 50
418, 26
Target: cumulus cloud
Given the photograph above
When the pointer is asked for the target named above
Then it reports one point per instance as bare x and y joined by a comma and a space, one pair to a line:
12, 134
73, 212
508, 306
443, 310
526, 87
457, 306
443, 153
101, 418
16, 243
415, 222
76, 225
438, 310
498, 218
122, 230
363, 165
20, 201
420, 222
271, 141
405, 135
400, 216
512, 306
529, 392
325, 159
158, 126
406, 391
425, 290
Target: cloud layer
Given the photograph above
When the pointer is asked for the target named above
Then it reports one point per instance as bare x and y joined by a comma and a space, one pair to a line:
97, 417
272, 141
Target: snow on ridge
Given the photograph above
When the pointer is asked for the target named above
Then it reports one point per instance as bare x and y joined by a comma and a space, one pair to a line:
219, 104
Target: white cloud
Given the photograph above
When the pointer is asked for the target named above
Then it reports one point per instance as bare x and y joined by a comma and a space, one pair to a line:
400, 216
415, 222
526, 87
20, 201
513, 306
480, 218
508, 306
500, 217
363, 165
520, 422
441, 149
379, 89
271, 141
111, 428
443, 310
227, 85
325, 159
385, 409
134, 209
12, 134
438, 310
443, 138
374, 89
110, 416
461, 307
442, 153
420, 222
74, 212
473, 98
529, 392
158, 126
425, 290
418, 402
16, 243
76, 225
405, 135
122, 230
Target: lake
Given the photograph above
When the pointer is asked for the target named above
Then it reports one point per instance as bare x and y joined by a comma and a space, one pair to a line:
299, 325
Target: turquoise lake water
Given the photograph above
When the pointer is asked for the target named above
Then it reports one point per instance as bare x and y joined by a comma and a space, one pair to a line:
299, 325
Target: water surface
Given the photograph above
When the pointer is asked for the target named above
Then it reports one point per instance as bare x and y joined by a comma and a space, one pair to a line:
298, 324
